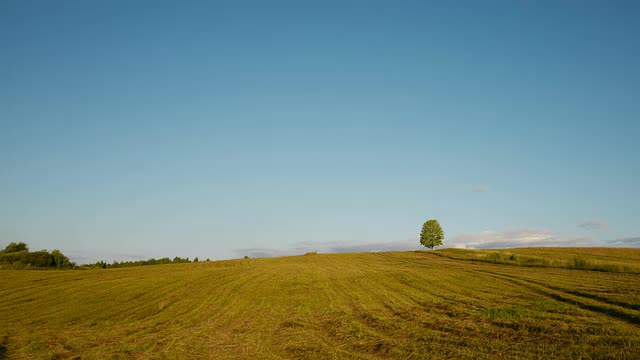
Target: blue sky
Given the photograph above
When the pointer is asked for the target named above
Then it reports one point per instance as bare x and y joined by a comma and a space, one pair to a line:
219, 129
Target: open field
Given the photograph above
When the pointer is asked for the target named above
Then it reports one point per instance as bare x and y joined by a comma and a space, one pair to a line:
365, 305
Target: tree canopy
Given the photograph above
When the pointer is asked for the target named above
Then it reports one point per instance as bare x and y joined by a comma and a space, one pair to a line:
18, 256
15, 247
431, 234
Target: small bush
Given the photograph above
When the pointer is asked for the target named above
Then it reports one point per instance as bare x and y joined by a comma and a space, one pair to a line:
494, 257
533, 261
580, 262
311, 253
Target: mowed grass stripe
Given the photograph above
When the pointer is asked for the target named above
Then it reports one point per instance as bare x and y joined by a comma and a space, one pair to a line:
585, 302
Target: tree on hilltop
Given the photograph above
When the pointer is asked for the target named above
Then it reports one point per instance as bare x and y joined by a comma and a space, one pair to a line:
431, 234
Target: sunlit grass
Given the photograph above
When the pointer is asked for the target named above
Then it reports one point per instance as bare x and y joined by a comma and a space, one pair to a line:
366, 305
596, 259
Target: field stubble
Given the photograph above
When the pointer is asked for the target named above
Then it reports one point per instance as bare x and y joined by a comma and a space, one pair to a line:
365, 305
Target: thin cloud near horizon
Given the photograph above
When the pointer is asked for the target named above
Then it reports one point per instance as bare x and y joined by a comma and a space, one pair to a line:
594, 224
626, 242
508, 238
520, 237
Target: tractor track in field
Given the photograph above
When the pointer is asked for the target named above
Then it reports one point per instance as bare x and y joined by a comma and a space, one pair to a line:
3, 347
583, 294
621, 311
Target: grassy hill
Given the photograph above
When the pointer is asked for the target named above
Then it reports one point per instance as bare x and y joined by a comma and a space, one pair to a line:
365, 305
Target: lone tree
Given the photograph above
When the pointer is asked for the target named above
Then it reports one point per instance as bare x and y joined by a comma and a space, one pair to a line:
431, 234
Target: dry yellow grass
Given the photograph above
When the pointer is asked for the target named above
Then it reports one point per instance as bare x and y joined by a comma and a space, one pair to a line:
366, 305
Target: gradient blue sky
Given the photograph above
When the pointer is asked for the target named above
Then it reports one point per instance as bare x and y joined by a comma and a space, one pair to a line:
219, 129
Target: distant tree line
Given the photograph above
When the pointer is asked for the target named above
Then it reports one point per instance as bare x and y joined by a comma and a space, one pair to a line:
122, 264
17, 256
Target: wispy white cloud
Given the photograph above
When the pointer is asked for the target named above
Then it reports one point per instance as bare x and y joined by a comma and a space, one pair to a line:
626, 242
263, 252
593, 224
477, 188
82, 257
409, 244
509, 238
331, 247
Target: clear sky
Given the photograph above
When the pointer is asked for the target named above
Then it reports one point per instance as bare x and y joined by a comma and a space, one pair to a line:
223, 129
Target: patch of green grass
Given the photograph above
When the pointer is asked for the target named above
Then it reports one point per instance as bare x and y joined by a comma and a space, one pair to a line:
504, 313
411, 305
595, 259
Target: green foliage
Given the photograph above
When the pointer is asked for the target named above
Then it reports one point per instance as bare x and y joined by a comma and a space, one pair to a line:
196, 259
178, 260
494, 257
431, 234
14, 258
504, 314
58, 260
152, 261
580, 262
15, 247
312, 253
